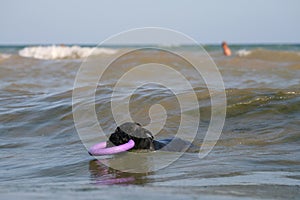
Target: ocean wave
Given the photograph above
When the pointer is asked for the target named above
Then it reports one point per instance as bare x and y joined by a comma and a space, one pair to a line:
243, 52
270, 55
62, 52
4, 56
262, 101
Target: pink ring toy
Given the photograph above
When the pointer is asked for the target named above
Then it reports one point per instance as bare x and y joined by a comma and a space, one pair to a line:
100, 148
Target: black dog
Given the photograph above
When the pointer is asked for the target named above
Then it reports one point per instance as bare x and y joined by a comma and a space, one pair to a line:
143, 139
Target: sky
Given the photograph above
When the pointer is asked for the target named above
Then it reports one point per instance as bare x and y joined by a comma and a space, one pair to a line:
92, 21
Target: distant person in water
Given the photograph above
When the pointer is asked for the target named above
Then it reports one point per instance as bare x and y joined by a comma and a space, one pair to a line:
226, 49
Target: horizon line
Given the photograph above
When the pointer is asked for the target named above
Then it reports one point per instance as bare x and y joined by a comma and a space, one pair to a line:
183, 44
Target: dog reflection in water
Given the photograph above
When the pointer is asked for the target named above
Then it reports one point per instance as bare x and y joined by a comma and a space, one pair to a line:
103, 175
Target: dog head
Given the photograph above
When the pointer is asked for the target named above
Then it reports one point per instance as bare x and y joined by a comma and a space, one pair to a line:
143, 139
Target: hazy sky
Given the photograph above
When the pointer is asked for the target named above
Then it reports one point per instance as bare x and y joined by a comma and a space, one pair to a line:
91, 21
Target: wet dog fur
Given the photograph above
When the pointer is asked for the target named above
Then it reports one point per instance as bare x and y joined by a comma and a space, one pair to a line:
144, 139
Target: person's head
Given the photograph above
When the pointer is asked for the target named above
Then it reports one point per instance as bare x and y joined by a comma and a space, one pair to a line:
224, 44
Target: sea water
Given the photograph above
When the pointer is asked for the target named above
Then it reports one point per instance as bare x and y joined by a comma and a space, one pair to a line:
256, 157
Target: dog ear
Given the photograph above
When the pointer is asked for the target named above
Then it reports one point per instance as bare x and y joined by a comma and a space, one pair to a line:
143, 143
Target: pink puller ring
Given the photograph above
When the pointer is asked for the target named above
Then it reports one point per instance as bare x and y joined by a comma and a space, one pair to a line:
100, 148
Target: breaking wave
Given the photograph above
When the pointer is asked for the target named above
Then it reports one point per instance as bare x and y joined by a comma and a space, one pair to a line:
270, 55
4, 56
62, 52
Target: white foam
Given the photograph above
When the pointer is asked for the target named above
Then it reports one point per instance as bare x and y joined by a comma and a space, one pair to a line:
4, 56
243, 52
62, 52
